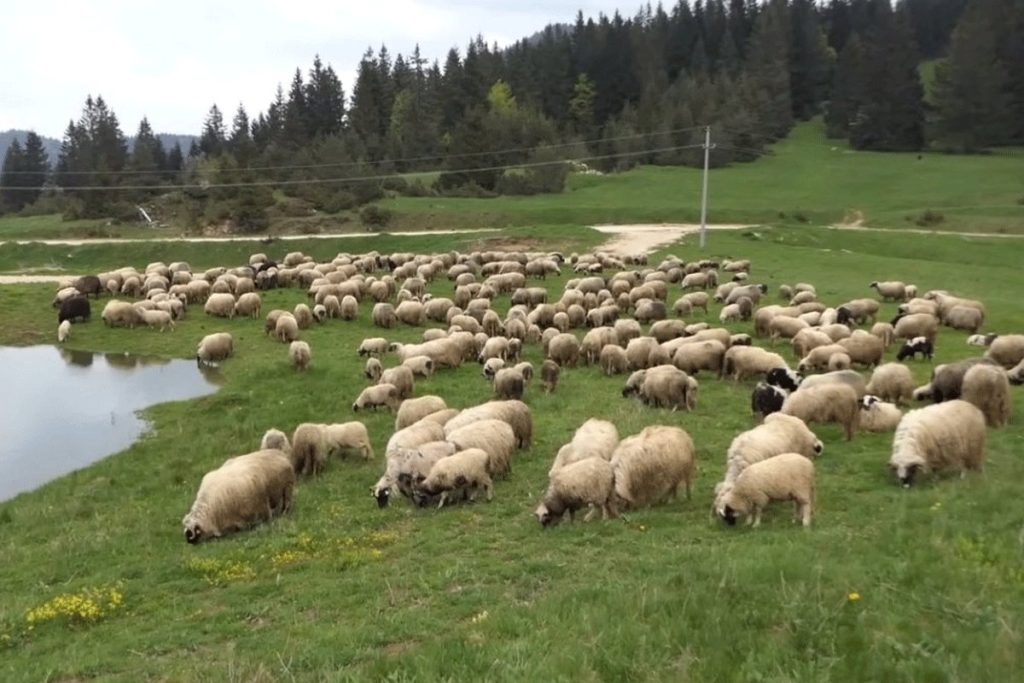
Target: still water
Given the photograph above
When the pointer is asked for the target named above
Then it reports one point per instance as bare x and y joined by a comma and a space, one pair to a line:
61, 410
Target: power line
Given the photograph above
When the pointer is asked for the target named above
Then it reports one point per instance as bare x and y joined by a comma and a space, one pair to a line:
381, 162
325, 181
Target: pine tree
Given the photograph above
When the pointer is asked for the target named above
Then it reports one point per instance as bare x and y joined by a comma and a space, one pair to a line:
147, 158
325, 100
767, 70
175, 161
296, 128
581, 107
847, 85
12, 197
810, 60
240, 141
211, 141
366, 108
35, 166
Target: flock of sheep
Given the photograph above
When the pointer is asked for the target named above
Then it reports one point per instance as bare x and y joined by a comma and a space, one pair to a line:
439, 455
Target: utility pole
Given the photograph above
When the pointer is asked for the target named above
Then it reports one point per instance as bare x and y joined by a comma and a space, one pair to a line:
704, 191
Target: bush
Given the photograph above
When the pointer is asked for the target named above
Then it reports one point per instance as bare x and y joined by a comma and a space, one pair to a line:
417, 189
334, 202
374, 216
395, 184
929, 217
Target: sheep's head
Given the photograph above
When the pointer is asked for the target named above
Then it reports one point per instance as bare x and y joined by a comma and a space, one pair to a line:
546, 516
728, 515
818, 447
382, 494
193, 533
905, 473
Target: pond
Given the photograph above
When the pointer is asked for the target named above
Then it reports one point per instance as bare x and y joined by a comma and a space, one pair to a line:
62, 410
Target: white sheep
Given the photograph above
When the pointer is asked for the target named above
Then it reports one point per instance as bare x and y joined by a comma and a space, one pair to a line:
784, 477
286, 329
1006, 350
299, 355
346, 437
649, 467
63, 331
374, 346
892, 382
988, 388
277, 440
220, 305
588, 482
376, 396
420, 366
401, 378
244, 491
593, 439
458, 475
493, 436
215, 347
516, 413
949, 435
743, 362
877, 415
826, 403
412, 410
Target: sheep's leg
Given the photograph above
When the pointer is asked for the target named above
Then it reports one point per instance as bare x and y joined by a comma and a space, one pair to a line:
489, 491
444, 497
591, 513
757, 516
806, 514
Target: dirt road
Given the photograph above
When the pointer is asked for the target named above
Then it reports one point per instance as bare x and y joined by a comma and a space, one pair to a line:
645, 238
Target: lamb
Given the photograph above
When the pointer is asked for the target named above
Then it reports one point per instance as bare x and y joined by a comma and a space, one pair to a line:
1006, 350
784, 378
808, 339
729, 314
988, 388
299, 354
495, 437
515, 413
78, 308
890, 291
220, 305
384, 315
215, 347
878, 416
509, 383
549, 373
286, 329
421, 366
277, 440
696, 300
407, 468
981, 339
242, 492
826, 403
948, 435
742, 362
456, 476
892, 382
374, 346
588, 482
401, 378
787, 476
63, 331
157, 319
650, 466
491, 368
914, 346
412, 410
818, 357
376, 396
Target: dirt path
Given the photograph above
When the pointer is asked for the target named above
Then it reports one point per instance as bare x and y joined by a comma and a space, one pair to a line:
921, 231
645, 238
236, 238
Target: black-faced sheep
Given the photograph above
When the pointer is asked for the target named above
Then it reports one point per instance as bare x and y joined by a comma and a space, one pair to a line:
826, 403
914, 346
949, 435
784, 477
244, 491
766, 399
649, 467
585, 483
988, 388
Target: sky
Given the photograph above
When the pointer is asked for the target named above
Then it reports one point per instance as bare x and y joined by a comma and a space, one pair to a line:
169, 61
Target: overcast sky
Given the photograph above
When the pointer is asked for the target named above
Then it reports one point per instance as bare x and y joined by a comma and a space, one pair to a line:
170, 61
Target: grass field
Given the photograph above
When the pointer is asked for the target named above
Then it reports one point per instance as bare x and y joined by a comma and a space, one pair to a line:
915, 585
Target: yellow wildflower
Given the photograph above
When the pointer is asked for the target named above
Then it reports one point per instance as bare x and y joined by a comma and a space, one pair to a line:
853, 597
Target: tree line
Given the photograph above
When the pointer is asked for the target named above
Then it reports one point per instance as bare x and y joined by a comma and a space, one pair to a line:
614, 91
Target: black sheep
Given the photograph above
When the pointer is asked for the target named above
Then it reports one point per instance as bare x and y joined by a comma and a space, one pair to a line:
74, 309
89, 284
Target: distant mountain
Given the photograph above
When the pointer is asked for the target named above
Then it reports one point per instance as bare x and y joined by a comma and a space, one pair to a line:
52, 145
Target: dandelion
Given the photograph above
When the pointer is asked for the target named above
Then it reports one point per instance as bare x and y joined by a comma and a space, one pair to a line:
84, 607
853, 597
482, 616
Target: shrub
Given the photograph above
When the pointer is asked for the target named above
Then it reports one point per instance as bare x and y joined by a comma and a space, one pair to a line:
334, 202
374, 216
929, 217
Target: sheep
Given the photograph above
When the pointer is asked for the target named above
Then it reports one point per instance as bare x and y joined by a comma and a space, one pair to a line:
157, 318
947, 303
857, 311
650, 466
662, 331
627, 330
373, 369
779, 433
784, 378
309, 449
78, 308
220, 305
242, 492
729, 314
826, 403
347, 437
696, 300
509, 383
911, 325
850, 378
835, 331
287, 329
988, 388
742, 362
753, 292
863, 348
406, 468
495, 437
785, 292
215, 347
595, 340
613, 360
88, 284
491, 368
383, 315
412, 410
515, 413
648, 311
1016, 374
886, 332
1006, 350
783, 477
839, 361
964, 318
376, 396
414, 436
299, 355
914, 346
120, 314
63, 331
666, 386
348, 307
410, 313
401, 378
374, 346
786, 327
277, 440
248, 305
705, 355
494, 347
947, 380
892, 382
588, 482
766, 399
890, 291
455, 476
981, 339
807, 339
682, 307
564, 349
421, 366
877, 415
526, 370
593, 439
948, 435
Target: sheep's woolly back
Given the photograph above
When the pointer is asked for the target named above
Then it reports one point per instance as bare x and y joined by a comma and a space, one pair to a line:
851, 378
787, 476
413, 410
825, 403
1007, 349
468, 467
941, 436
780, 433
414, 435
651, 465
277, 440
892, 382
516, 413
988, 388
348, 436
879, 416
594, 439
309, 449
495, 437
587, 482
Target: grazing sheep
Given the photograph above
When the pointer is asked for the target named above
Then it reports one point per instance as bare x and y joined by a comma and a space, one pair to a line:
779, 433
878, 416
78, 308
981, 339
613, 360
509, 383
857, 311
526, 370
909, 326
863, 348
309, 449
948, 435
784, 378
886, 332
445, 352
516, 413
697, 300
63, 331
491, 368
215, 347
839, 361
376, 396
299, 355
807, 339
248, 305
594, 439
650, 466
729, 314
374, 346
349, 307
220, 305
495, 437
457, 476
410, 313
287, 329
890, 291
347, 437
850, 378
1016, 375
421, 366
157, 318
988, 388
743, 362
705, 355
666, 386
1006, 350
784, 477
892, 382
414, 436
277, 440
766, 399
627, 330
826, 403
818, 357
412, 410
588, 482
564, 349
242, 492
401, 378
947, 380
964, 318
384, 315
120, 314
373, 369
406, 468
914, 346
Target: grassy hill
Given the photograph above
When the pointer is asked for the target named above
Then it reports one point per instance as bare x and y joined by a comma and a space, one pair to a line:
888, 585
